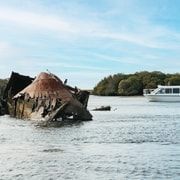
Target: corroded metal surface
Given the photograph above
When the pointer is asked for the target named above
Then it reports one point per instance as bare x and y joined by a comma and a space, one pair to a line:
48, 98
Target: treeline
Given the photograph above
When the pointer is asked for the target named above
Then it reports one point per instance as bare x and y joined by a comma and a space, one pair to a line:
3, 83
133, 84
125, 84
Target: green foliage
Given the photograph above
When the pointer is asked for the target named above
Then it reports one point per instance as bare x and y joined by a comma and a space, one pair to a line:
130, 86
109, 86
173, 80
3, 83
133, 84
151, 79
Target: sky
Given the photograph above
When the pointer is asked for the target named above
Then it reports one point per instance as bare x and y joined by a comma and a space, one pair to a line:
86, 40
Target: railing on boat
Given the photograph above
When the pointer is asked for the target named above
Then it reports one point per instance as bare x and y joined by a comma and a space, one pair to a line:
147, 91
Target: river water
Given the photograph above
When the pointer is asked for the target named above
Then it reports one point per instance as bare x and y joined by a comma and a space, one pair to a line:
137, 139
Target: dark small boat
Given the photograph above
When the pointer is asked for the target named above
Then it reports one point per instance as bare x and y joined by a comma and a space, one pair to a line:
103, 108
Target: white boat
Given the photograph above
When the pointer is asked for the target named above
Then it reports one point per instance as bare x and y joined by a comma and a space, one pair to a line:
163, 94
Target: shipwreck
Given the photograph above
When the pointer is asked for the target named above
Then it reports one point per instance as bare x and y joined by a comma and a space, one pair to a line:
44, 98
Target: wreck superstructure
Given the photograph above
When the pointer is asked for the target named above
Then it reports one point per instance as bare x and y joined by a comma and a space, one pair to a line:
47, 98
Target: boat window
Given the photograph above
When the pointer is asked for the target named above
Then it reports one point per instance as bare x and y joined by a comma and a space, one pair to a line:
161, 91
176, 90
168, 91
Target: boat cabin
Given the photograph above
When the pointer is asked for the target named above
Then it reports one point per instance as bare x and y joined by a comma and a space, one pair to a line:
163, 90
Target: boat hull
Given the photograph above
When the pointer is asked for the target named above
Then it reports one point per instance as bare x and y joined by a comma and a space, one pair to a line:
162, 98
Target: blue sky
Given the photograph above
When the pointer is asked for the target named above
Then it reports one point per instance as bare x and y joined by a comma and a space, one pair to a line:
87, 40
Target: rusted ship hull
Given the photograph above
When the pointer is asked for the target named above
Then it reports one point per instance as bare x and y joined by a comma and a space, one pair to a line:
45, 98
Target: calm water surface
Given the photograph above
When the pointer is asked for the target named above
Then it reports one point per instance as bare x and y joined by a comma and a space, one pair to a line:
137, 139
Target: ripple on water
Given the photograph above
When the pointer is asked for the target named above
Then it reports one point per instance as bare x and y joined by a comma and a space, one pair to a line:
138, 140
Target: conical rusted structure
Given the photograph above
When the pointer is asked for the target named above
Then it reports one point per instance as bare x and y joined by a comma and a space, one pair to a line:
48, 98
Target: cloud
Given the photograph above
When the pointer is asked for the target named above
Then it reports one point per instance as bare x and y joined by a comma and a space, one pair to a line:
62, 65
142, 32
86, 37
3, 47
34, 20
7, 51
